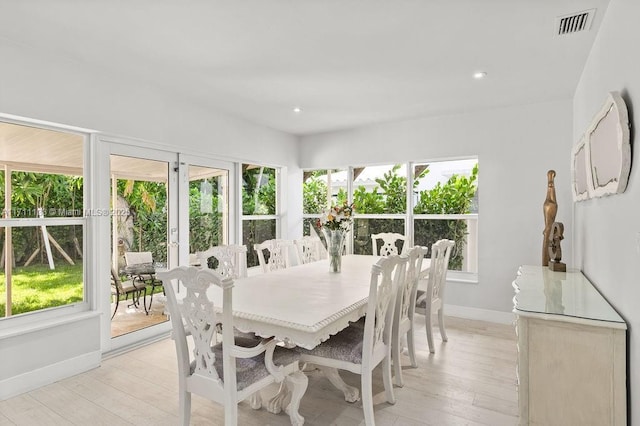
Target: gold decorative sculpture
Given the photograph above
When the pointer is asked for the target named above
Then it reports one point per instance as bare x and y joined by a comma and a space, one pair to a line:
554, 251
550, 208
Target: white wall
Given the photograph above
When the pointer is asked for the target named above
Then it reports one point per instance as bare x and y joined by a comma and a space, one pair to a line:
40, 85
515, 147
607, 230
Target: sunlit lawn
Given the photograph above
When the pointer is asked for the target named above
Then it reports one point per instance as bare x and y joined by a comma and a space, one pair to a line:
37, 287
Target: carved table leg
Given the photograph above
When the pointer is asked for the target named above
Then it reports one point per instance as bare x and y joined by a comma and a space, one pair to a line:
275, 404
297, 383
351, 394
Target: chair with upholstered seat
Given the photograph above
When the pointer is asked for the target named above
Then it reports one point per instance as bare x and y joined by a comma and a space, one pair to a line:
226, 372
389, 243
278, 254
360, 349
232, 260
432, 300
308, 249
125, 288
403, 325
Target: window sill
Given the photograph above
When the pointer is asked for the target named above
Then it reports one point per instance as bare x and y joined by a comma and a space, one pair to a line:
462, 277
46, 323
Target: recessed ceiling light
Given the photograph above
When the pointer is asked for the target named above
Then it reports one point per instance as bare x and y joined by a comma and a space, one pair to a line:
297, 110
479, 75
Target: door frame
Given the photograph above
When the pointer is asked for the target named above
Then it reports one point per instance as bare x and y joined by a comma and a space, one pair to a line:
107, 146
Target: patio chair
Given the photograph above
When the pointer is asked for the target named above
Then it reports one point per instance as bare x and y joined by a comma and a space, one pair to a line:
389, 245
432, 299
278, 254
403, 325
139, 258
360, 349
232, 259
226, 372
125, 288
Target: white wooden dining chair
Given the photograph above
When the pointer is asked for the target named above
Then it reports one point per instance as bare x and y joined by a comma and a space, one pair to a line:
388, 246
226, 372
432, 300
232, 259
403, 325
308, 249
360, 349
278, 254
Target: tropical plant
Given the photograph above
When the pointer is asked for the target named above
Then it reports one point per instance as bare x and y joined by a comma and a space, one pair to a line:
314, 195
204, 227
50, 195
258, 198
453, 197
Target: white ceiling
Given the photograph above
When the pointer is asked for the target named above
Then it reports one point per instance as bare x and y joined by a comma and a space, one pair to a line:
345, 62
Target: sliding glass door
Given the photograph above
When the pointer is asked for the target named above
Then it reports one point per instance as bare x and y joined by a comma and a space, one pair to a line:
165, 207
141, 192
207, 217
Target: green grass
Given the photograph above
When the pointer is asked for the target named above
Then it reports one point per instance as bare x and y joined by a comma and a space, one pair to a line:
37, 287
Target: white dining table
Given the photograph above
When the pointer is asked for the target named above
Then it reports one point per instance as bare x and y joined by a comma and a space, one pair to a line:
302, 305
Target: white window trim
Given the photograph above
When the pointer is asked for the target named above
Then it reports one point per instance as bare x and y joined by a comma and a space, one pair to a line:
409, 217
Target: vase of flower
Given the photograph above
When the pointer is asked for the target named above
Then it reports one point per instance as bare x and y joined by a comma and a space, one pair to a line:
335, 223
335, 247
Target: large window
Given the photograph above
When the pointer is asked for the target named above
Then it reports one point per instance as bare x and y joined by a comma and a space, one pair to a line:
260, 218
445, 196
42, 225
425, 201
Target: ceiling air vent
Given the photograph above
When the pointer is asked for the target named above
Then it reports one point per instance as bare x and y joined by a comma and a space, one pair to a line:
575, 22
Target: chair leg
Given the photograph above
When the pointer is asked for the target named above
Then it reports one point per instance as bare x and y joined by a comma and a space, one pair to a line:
116, 308
367, 398
443, 333
185, 408
144, 301
255, 400
427, 317
386, 379
411, 346
150, 300
395, 355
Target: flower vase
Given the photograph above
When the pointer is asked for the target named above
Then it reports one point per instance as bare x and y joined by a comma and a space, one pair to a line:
335, 246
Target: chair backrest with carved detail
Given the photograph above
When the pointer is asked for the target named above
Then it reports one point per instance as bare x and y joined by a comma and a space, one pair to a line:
386, 275
278, 254
388, 246
232, 259
440, 254
196, 315
308, 249
407, 290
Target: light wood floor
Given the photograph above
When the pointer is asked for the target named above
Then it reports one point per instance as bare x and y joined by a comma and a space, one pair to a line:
470, 380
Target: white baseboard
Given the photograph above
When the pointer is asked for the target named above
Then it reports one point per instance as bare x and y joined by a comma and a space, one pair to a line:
479, 314
46, 375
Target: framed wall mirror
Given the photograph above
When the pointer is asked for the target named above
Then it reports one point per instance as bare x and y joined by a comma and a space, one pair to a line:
608, 150
580, 178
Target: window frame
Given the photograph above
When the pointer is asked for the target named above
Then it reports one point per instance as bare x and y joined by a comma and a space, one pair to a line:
277, 216
409, 216
45, 318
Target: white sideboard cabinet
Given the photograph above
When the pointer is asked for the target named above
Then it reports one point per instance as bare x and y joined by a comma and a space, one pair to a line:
571, 351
